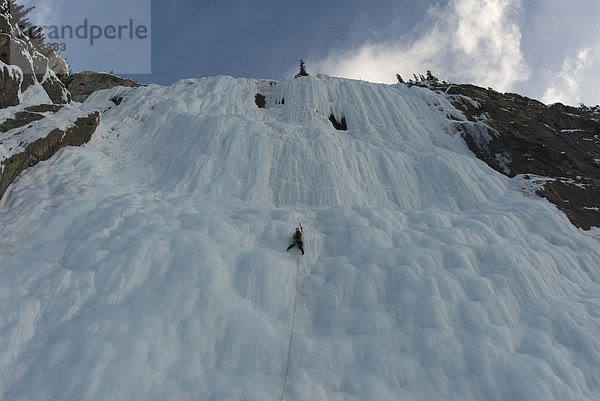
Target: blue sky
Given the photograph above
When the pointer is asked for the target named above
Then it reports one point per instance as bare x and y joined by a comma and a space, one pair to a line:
545, 49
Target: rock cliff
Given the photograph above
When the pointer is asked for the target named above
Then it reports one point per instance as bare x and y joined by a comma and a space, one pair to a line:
554, 148
83, 84
25, 64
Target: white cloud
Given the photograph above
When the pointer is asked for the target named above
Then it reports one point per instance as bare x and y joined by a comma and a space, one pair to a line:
475, 41
577, 82
45, 12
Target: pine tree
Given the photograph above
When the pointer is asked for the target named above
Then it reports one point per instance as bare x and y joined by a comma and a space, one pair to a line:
430, 77
399, 78
18, 15
302, 72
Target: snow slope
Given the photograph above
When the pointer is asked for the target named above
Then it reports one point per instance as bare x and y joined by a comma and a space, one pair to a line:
150, 264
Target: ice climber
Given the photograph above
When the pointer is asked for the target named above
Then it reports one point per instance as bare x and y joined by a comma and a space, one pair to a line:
297, 237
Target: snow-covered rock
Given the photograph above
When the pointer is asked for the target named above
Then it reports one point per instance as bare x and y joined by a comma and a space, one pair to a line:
17, 50
83, 84
36, 133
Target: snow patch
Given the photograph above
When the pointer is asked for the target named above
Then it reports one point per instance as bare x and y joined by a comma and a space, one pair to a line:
503, 163
14, 72
530, 184
35, 95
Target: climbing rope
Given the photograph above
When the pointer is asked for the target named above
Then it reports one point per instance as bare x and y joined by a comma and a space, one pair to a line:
289, 353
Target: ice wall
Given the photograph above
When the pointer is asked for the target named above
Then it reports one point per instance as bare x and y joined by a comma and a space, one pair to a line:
151, 263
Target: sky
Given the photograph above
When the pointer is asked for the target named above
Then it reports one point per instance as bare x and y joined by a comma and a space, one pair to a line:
544, 49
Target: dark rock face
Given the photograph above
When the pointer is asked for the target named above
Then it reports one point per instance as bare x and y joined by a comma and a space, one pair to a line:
22, 118
44, 108
43, 148
55, 89
10, 84
4, 21
83, 84
82, 131
516, 135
